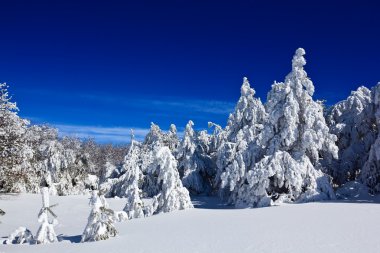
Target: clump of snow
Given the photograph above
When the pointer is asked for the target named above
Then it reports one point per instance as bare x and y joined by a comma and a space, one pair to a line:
20, 236
120, 216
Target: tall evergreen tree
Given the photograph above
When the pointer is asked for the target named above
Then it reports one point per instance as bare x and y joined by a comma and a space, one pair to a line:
195, 162
131, 183
248, 116
239, 150
370, 174
295, 137
171, 139
188, 164
353, 121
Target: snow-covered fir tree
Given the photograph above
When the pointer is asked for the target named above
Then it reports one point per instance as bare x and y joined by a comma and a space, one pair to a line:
188, 166
158, 137
100, 224
295, 136
217, 138
15, 171
206, 156
155, 136
149, 185
139, 158
172, 195
171, 140
353, 121
46, 233
232, 168
239, 150
370, 174
248, 116
150, 171
132, 181
129, 176
195, 163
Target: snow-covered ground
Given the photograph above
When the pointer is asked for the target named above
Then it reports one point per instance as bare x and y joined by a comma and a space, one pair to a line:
340, 226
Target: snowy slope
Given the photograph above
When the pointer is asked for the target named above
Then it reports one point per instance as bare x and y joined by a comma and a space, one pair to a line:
314, 227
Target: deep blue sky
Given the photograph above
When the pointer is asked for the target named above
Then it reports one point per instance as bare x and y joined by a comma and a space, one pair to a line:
101, 67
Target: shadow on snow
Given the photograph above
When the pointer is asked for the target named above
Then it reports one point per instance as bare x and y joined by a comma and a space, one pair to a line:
209, 202
72, 239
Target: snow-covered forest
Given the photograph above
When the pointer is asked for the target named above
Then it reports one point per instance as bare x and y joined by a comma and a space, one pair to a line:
290, 148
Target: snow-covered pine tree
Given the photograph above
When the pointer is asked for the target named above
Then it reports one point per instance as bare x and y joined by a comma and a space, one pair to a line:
206, 156
195, 163
141, 155
130, 173
217, 138
131, 182
46, 233
15, 172
295, 135
172, 195
100, 224
171, 139
188, 166
154, 140
370, 174
239, 150
353, 121
138, 157
155, 135
248, 116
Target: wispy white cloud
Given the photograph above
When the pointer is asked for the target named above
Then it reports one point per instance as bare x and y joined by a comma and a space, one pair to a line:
171, 104
195, 105
175, 108
156, 103
102, 134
